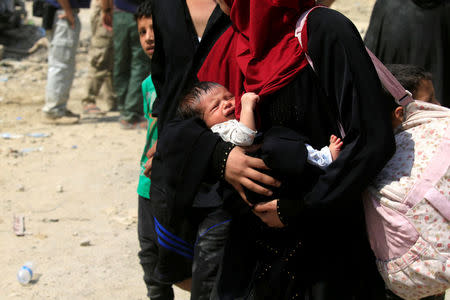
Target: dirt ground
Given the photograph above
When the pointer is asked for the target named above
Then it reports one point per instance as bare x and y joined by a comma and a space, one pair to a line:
75, 187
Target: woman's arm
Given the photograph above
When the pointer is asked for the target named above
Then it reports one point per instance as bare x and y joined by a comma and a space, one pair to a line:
198, 155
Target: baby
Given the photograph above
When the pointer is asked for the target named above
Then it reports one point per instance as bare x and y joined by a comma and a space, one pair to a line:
215, 105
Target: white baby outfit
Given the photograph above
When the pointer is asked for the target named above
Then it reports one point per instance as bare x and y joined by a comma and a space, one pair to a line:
240, 135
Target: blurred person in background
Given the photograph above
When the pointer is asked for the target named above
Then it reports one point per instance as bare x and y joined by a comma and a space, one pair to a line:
64, 38
414, 32
101, 64
131, 65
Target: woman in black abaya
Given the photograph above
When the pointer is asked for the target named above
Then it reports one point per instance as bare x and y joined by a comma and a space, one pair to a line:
334, 259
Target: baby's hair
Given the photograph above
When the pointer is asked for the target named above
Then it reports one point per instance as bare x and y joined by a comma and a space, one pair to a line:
144, 10
409, 76
189, 104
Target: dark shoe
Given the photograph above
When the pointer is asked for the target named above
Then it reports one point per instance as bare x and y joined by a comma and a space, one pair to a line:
67, 118
138, 124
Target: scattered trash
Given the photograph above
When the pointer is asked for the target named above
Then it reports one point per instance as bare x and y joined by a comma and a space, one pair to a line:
19, 225
38, 134
19, 118
25, 274
75, 234
74, 147
14, 152
52, 220
21, 188
85, 243
28, 150
4, 78
60, 189
10, 136
1, 99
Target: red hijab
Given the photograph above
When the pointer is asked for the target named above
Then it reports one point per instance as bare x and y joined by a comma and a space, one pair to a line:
259, 53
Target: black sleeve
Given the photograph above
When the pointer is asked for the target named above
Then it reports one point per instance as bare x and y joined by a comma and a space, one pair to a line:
348, 76
182, 162
158, 59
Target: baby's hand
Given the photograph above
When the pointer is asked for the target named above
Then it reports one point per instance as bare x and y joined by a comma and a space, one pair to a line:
249, 100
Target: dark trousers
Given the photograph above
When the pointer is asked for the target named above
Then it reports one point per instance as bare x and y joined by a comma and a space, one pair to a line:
148, 255
131, 66
208, 252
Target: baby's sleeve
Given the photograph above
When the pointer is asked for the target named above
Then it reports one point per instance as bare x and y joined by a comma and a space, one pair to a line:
234, 132
321, 158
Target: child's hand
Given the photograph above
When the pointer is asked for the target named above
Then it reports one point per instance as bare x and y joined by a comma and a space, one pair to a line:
249, 100
335, 146
148, 165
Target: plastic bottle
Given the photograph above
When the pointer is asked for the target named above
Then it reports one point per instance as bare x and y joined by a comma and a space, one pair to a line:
25, 273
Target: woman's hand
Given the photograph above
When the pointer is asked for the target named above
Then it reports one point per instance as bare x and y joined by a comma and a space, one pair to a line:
240, 171
267, 212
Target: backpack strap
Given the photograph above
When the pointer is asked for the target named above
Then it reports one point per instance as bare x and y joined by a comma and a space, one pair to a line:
302, 35
436, 169
402, 96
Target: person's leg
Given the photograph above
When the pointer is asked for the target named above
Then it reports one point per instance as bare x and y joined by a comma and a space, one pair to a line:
100, 56
61, 66
108, 88
212, 234
148, 255
108, 62
122, 57
139, 69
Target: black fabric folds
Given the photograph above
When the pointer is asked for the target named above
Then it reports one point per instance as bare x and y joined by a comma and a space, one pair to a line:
414, 32
179, 165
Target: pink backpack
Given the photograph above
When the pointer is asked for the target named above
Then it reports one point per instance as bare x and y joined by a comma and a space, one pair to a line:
407, 206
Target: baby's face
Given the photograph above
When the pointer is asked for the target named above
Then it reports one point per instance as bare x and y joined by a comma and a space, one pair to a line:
217, 106
425, 92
